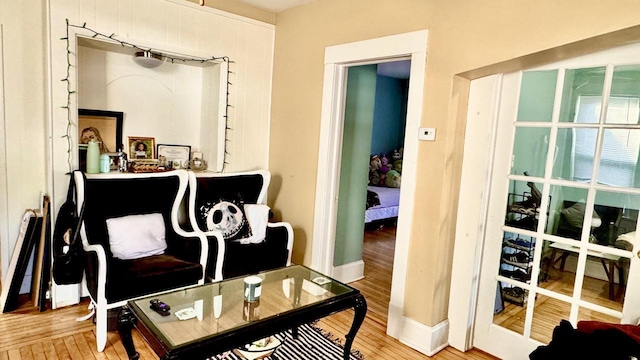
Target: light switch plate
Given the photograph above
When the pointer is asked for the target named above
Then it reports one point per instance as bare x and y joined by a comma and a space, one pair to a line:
428, 134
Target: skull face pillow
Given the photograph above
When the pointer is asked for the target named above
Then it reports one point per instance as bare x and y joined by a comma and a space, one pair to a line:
226, 217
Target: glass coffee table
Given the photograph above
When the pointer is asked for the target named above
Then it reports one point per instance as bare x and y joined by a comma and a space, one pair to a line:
217, 318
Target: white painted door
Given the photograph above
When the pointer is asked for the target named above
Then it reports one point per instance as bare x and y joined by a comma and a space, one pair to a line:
560, 238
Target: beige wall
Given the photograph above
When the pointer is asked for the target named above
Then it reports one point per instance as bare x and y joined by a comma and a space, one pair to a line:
463, 35
239, 8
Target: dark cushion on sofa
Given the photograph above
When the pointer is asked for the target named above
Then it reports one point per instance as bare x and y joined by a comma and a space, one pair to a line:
242, 259
149, 275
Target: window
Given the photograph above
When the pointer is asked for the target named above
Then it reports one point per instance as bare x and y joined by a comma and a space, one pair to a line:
619, 146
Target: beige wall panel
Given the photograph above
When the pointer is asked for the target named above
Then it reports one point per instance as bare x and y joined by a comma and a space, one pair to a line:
24, 115
463, 35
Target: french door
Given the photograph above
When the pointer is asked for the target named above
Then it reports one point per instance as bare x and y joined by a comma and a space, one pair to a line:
560, 239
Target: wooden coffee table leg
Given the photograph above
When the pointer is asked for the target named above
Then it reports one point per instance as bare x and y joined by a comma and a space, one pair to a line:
126, 321
360, 309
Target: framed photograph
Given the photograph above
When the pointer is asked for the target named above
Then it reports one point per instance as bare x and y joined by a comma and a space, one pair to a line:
142, 147
175, 156
103, 126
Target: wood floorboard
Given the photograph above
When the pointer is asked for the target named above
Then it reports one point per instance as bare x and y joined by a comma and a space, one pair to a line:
372, 340
55, 334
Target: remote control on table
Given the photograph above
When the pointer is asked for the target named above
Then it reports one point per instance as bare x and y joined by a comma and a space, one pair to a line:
160, 307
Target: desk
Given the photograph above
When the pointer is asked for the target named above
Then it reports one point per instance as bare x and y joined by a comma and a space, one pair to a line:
609, 263
290, 297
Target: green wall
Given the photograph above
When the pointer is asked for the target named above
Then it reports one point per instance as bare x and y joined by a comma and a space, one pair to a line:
354, 167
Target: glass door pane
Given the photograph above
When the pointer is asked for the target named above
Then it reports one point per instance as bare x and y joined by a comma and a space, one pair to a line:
574, 154
530, 149
625, 95
537, 95
582, 95
619, 158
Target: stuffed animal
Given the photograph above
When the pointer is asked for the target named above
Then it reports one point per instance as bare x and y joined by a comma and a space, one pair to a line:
374, 178
375, 163
384, 162
374, 170
383, 180
393, 179
397, 165
395, 155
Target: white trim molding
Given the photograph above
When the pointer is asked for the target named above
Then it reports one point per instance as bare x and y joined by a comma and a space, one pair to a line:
349, 272
426, 339
474, 194
338, 59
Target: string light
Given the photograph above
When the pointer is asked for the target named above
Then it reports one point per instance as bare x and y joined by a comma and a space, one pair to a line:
173, 59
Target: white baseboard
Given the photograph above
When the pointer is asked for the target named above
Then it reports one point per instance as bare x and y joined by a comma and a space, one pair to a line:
425, 339
349, 272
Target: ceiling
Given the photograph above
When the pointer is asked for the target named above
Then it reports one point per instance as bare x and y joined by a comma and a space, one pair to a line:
275, 5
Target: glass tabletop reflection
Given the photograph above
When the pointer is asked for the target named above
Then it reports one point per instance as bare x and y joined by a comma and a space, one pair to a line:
213, 309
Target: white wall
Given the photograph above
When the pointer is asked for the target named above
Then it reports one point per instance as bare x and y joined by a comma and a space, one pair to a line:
23, 118
175, 26
163, 102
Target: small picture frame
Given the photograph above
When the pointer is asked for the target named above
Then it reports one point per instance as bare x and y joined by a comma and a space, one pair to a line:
103, 126
141, 147
175, 156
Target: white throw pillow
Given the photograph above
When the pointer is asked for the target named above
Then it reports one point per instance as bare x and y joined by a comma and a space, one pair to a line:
257, 216
630, 237
136, 236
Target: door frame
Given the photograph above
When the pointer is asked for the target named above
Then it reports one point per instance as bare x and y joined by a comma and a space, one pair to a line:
475, 186
338, 59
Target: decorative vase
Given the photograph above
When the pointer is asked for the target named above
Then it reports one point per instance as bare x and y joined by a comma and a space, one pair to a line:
93, 157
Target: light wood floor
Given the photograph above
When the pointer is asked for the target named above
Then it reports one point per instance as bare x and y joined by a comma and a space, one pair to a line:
549, 311
372, 340
29, 334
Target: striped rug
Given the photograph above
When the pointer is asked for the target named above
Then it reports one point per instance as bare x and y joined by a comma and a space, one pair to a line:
312, 344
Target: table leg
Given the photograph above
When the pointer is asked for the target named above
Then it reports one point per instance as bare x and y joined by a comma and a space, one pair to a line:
612, 280
360, 309
126, 321
610, 275
549, 265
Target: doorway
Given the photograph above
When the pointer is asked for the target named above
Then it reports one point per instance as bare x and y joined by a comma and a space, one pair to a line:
370, 177
371, 160
337, 60
559, 228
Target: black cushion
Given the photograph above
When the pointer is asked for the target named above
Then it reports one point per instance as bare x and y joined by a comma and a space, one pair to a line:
109, 198
243, 259
132, 278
